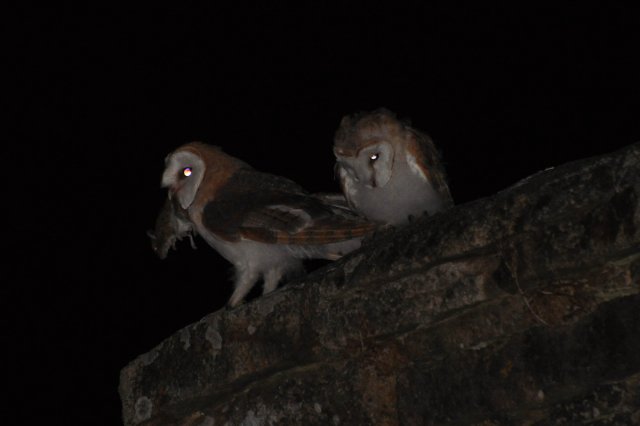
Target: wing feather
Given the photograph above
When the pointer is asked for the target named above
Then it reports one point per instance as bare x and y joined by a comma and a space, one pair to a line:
426, 153
270, 209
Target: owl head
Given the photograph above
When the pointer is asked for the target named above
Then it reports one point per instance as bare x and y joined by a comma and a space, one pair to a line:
187, 167
366, 144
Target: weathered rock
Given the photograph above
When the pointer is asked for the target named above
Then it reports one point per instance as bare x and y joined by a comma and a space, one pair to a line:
521, 308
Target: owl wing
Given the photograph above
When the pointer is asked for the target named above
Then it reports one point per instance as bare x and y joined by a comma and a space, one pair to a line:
428, 156
270, 209
337, 203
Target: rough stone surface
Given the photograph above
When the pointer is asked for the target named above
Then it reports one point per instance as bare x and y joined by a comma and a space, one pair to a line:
521, 308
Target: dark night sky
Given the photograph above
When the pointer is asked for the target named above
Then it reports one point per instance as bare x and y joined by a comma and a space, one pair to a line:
106, 94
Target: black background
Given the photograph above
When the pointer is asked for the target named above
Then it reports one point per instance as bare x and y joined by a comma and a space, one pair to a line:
104, 94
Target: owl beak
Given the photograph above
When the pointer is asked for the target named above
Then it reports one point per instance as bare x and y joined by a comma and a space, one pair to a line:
344, 166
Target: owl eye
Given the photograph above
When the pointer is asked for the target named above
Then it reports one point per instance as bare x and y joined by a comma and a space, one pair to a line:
187, 171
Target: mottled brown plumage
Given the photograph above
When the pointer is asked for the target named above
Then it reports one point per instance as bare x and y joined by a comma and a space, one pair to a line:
270, 209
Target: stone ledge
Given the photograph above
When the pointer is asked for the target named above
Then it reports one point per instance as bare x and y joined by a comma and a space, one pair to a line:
502, 310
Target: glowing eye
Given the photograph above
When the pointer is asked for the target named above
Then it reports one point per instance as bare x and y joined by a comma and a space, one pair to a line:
186, 171
373, 157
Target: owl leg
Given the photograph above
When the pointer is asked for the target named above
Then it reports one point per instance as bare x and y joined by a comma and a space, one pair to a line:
271, 280
289, 268
245, 279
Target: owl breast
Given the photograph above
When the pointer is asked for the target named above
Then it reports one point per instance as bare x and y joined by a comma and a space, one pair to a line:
406, 194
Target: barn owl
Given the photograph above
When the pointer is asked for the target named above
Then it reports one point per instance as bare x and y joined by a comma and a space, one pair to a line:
389, 171
263, 224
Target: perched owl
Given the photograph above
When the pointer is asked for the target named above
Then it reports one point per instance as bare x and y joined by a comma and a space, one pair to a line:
263, 224
389, 171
